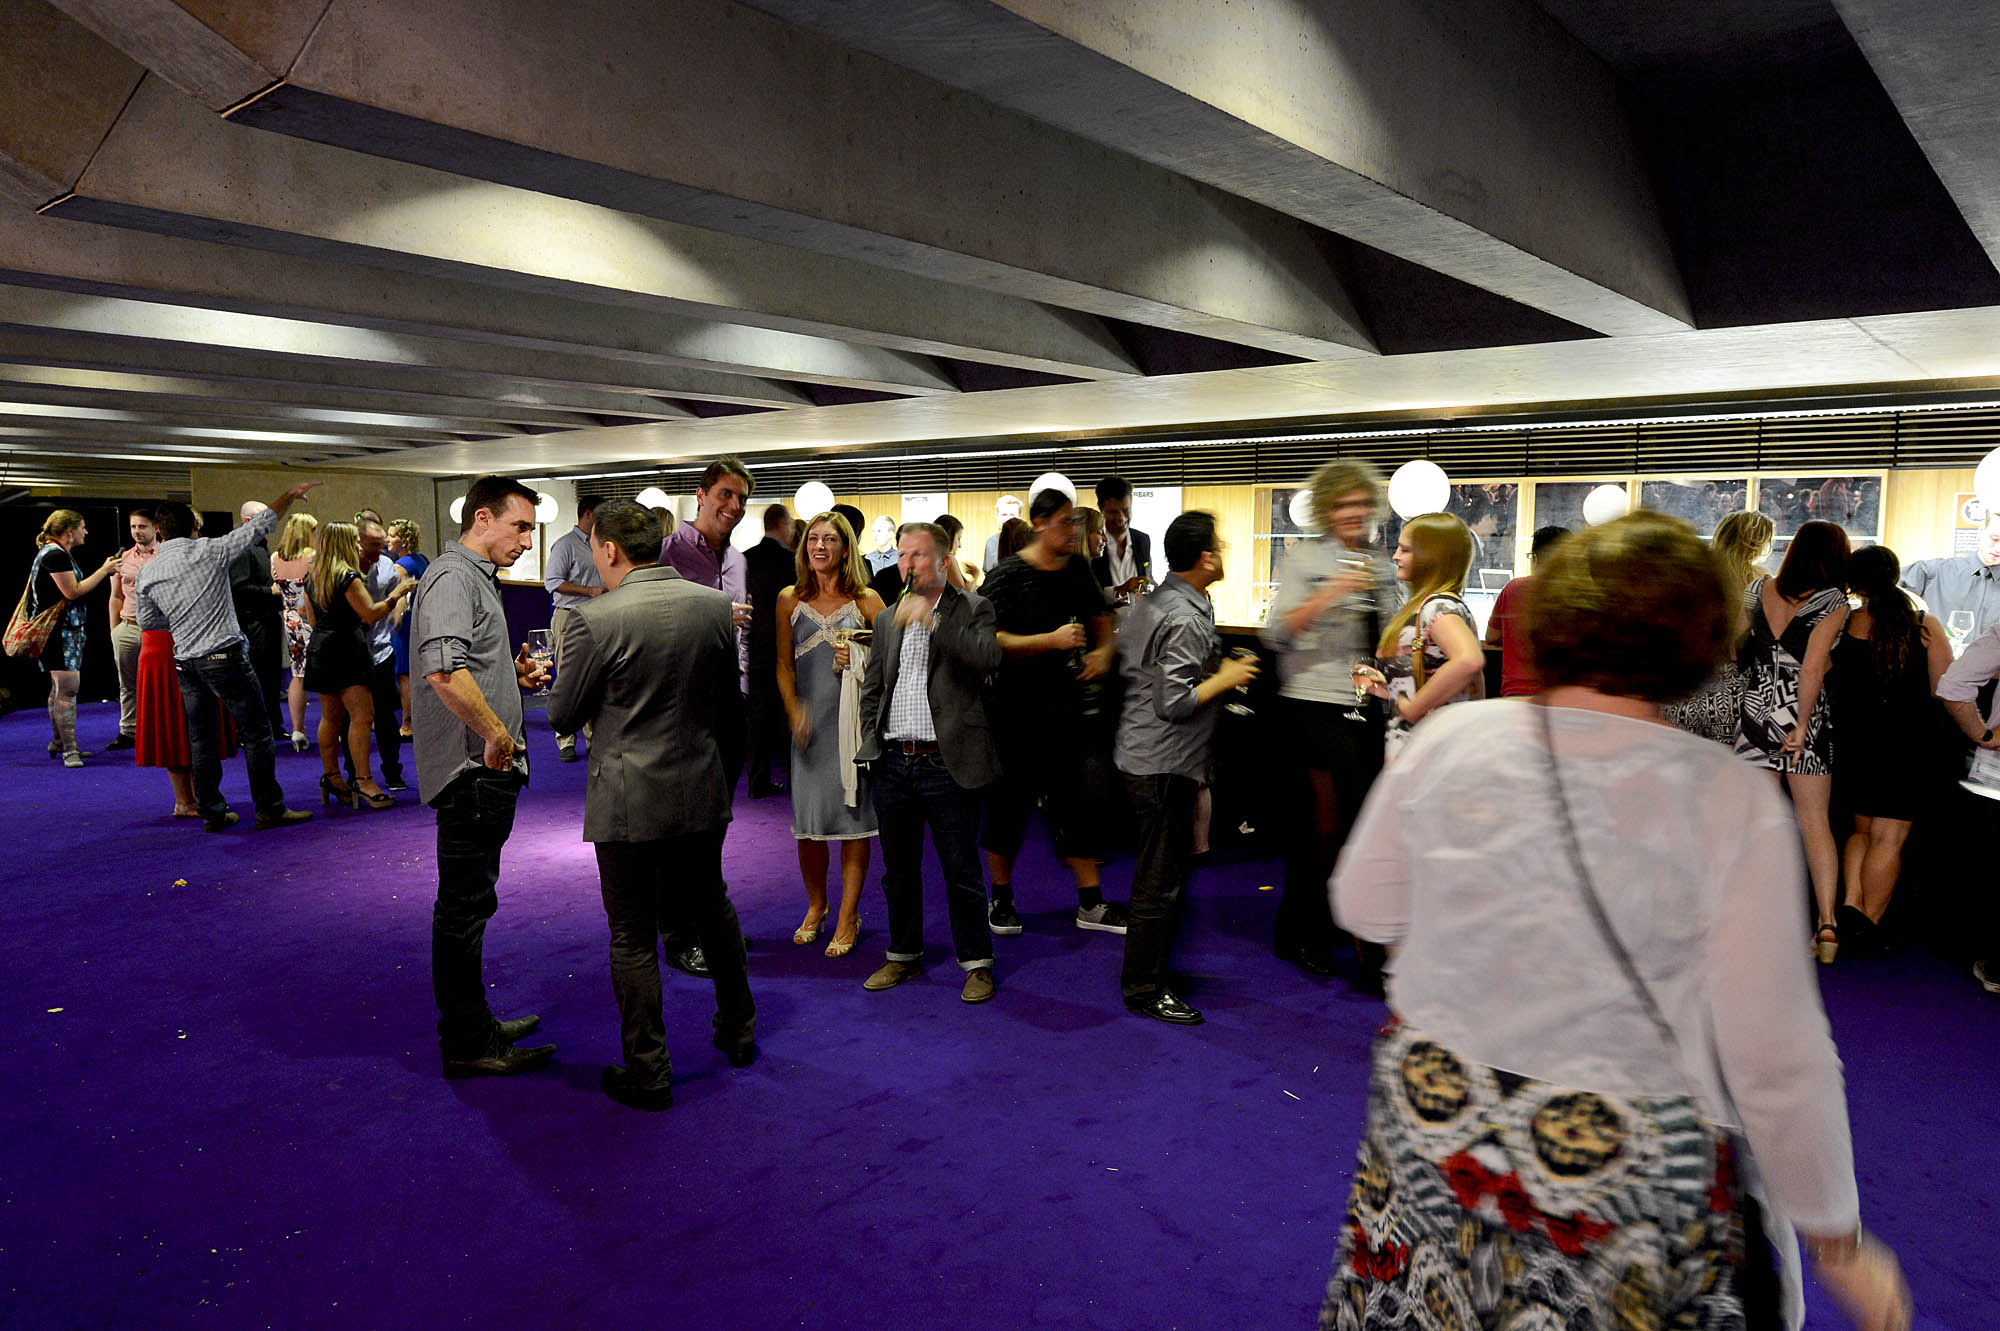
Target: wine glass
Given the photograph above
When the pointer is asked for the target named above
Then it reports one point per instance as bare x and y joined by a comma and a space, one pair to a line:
1360, 682
1236, 706
542, 653
1958, 627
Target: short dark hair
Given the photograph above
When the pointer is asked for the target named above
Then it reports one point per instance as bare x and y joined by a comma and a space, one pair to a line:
142, 511
491, 493
930, 529
1188, 538
1816, 559
587, 504
631, 527
1113, 487
776, 514
855, 522
727, 465
1543, 538
173, 519
1048, 503
1637, 608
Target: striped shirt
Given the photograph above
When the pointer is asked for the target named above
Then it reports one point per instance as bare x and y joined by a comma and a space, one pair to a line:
185, 589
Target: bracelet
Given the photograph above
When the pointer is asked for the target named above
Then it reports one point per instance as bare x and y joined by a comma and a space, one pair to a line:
1834, 1251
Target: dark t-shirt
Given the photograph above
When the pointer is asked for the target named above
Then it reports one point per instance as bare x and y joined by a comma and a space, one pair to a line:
1027, 600
53, 560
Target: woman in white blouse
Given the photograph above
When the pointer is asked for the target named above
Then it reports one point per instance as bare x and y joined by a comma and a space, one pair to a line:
1599, 993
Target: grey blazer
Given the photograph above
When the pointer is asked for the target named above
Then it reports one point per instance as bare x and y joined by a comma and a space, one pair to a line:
651, 668
964, 651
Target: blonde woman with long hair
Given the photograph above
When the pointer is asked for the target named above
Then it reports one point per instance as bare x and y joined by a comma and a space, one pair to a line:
291, 561
830, 600
1741, 544
339, 665
1429, 653
52, 578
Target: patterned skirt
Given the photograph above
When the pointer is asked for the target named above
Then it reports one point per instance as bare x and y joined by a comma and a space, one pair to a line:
1487, 1200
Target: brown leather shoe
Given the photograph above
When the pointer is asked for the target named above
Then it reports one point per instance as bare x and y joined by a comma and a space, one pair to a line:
892, 974
978, 986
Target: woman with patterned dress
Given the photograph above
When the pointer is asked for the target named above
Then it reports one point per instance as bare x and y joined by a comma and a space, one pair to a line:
291, 561
1786, 721
1741, 543
1433, 555
52, 578
830, 802
1592, 977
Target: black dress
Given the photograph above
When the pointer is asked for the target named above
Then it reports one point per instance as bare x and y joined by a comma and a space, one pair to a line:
337, 658
1888, 730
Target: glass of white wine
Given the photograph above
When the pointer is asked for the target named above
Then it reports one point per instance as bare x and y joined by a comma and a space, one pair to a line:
1958, 627
542, 652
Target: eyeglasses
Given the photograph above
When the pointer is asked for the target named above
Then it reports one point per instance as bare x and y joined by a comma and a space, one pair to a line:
1073, 520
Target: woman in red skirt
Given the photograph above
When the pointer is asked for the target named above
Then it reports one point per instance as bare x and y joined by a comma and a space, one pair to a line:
162, 726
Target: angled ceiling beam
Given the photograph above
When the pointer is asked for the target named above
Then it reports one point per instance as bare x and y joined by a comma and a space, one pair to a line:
247, 187
1936, 61
662, 109
39, 411
188, 326
105, 260
61, 90
1476, 138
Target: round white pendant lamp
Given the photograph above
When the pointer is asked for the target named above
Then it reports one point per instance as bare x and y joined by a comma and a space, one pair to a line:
458, 509
1419, 487
546, 507
1986, 481
653, 497
812, 499
1607, 503
1300, 510
1051, 480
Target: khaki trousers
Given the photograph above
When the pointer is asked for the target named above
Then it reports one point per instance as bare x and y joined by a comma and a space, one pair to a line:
125, 638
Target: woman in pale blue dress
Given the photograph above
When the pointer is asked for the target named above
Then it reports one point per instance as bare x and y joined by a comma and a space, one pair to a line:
830, 596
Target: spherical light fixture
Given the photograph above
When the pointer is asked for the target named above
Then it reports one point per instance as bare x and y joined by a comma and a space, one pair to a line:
1419, 487
1051, 480
1986, 481
1607, 503
653, 497
458, 509
546, 507
1300, 510
812, 499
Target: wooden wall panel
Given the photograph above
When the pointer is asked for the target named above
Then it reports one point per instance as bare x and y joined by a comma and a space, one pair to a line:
1917, 511
1237, 598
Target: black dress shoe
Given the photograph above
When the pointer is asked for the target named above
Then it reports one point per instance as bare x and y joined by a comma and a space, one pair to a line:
498, 1060
741, 1053
519, 1028
1165, 1007
122, 742
395, 782
691, 962
619, 1085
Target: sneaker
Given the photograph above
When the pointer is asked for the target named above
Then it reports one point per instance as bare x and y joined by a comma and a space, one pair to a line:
298, 741
72, 759
1106, 917
395, 782
1988, 975
1002, 919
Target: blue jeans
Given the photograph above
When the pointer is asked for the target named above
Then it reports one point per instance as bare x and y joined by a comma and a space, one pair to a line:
226, 677
912, 792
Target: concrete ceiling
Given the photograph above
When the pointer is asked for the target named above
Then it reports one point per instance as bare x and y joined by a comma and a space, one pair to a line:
446, 236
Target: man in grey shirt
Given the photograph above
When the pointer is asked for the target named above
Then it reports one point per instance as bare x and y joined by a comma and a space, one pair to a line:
471, 764
1969, 584
382, 575
1169, 657
571, 580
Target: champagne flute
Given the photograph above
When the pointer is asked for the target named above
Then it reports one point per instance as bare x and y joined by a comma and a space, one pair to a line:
1236, 706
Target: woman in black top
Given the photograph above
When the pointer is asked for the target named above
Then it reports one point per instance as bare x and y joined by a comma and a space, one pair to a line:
1885, 669
52, 579
1057, 636
339, 665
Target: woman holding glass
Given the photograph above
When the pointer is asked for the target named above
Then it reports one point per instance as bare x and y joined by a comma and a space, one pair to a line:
53, 579
1598, 997
339, 665
1786, 722
1334, 595
1429, 653
828, 604
291, 561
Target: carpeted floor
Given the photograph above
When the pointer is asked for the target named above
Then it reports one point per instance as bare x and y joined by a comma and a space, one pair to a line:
225, 1109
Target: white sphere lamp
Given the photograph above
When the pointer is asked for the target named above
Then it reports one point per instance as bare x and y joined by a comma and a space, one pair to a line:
1986, 481
1052, 480
546, 507
1419, 487
1607, 503
653, 497
458, 509
1300, 510
814, 497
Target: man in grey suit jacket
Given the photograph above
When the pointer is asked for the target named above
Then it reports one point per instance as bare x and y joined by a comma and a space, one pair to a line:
923, 730
652, 666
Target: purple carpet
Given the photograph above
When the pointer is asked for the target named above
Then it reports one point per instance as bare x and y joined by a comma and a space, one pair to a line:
227, 1111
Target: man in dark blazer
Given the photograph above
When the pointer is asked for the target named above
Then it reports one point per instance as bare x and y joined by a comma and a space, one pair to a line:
769, 568
925, 737
651, 665
1127, 560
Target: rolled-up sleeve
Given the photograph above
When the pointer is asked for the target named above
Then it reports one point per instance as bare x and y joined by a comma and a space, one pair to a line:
1971, 671
447, 604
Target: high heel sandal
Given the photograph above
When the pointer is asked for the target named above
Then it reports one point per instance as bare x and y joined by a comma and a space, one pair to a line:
329, 792
1826, 944
839, 948
808, 931
381, 799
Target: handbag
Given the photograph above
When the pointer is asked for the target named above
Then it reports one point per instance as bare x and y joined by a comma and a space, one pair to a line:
1757, 1279
28, 634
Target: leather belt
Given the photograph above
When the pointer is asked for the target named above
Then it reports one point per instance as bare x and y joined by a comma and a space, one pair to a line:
915, 747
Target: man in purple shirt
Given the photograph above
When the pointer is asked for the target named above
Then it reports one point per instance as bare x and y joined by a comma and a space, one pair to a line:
700, 550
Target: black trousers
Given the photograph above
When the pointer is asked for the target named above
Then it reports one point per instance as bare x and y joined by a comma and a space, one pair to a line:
769, 738
1327, 739
649, 886
475, 816
267, 661
1163, 805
